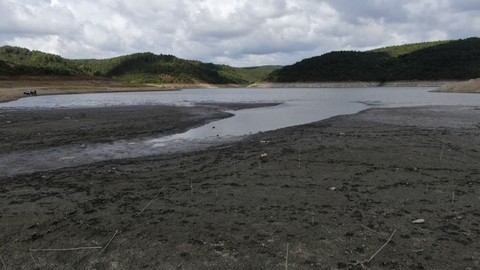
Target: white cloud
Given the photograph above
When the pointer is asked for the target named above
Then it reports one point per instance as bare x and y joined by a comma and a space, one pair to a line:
236, 32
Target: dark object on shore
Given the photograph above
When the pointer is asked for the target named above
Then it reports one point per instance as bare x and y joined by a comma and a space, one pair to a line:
30, 93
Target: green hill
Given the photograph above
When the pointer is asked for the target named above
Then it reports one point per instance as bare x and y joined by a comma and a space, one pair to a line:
27, 62
139, 67
445, 60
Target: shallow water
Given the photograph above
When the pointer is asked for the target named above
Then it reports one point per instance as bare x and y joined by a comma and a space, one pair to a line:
298, 106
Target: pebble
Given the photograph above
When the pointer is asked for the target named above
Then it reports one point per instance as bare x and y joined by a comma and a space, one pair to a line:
419, 221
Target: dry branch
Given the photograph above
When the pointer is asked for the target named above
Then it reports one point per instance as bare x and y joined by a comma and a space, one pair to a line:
380, 249
111, 239
286, 259
370, 229
3, 263
143, 209
64, 249
33, 259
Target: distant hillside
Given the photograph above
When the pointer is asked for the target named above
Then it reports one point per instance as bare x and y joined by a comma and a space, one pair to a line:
248, 74
139, 67
445, 60
27, 62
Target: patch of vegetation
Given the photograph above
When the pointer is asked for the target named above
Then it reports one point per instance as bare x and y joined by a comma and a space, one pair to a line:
6, 69
398, 50
139, 68
445, 60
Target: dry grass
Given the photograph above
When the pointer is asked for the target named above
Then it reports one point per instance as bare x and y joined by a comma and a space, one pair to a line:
11, 89
471, 86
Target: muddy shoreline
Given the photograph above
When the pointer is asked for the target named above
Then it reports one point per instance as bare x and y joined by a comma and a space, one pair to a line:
43, 128
333, 192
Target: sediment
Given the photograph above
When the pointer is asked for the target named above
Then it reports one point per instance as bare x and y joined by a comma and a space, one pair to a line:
351, 84
333, 192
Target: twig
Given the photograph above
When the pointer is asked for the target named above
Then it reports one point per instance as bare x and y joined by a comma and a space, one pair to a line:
299, 156
380, 249
64, 249
109, 242
191, 190
33, 259
441, 152
138, 214
370, 229
234, 169
3, 263
286, 259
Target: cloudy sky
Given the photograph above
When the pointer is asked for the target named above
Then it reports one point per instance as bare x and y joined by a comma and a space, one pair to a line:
234, 32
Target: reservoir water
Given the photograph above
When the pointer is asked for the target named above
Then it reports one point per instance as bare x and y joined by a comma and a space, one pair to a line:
297, 106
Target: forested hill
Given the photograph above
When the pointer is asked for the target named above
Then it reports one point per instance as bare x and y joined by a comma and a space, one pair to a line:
445, 60
139, 67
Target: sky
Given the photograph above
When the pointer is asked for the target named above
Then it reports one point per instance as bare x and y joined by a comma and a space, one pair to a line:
233, 32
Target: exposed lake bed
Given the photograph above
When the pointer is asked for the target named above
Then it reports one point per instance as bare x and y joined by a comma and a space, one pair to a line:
333, 191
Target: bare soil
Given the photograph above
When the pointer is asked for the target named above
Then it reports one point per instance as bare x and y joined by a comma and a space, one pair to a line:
12, 88
328, 195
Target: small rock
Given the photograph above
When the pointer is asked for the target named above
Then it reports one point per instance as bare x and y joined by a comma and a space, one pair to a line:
264, 155
419, 221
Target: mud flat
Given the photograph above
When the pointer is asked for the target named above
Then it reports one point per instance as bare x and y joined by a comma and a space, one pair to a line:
36, 129
328, 195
